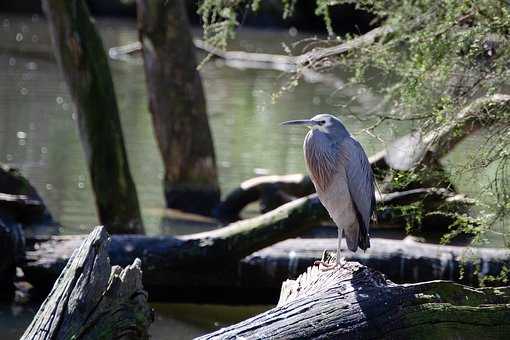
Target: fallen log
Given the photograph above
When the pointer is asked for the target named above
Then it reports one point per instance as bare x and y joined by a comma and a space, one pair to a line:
256, 278
93, 300
356, 302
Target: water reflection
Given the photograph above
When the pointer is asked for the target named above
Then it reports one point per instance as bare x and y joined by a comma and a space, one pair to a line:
38, 135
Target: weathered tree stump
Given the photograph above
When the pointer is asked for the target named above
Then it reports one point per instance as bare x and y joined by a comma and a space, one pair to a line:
358, 303
93, 300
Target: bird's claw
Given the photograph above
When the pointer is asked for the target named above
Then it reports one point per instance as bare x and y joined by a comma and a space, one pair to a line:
325, 266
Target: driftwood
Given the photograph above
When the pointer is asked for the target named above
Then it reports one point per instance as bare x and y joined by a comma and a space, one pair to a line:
93, 300
84, 64
358, 303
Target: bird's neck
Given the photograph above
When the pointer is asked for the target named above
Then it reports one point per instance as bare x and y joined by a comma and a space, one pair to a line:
321, 155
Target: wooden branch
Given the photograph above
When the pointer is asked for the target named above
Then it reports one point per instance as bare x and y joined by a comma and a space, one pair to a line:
93, 300
408, 151
356, 302
321, 53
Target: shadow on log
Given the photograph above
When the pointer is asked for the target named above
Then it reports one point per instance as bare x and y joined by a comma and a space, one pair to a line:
358, 303
93, 300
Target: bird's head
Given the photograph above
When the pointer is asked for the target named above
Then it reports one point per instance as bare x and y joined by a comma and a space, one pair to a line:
323, 123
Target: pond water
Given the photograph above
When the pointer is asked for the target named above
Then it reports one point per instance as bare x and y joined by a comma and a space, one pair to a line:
38, 135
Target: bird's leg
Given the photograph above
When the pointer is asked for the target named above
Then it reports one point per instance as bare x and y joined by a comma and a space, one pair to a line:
340, 260
323, 265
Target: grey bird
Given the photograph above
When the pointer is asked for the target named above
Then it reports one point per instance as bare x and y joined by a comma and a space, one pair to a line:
343, 178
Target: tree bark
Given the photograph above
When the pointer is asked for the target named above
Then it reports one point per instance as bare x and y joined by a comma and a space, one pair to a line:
93, 300
358, 303
81, 57
178, 107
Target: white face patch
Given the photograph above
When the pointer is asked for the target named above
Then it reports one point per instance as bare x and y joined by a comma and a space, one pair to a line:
325, 126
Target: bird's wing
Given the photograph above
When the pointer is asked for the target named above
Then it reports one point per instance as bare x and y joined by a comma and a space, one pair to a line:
360, 180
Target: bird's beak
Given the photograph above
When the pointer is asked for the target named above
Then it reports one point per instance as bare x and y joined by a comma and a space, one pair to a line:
307, 122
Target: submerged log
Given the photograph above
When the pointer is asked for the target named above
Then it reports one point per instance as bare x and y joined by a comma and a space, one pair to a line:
93, 300
21, 202
83, 62
12, 255
356, 302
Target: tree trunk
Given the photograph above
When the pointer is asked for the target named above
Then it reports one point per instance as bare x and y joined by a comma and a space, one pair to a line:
358, 303
178, 107
81, 56
93, 300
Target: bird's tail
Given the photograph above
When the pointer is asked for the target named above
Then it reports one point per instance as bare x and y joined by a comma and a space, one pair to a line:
363, 239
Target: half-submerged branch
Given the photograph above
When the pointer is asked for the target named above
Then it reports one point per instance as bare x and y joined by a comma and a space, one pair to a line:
358, 303
93, 300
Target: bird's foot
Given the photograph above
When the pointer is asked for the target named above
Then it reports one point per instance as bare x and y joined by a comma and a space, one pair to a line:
325, 266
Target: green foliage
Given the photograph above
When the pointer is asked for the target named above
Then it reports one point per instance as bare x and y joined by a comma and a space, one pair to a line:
440, 56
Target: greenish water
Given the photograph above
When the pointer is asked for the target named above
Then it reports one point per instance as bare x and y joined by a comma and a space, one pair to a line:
172, 321
38, 135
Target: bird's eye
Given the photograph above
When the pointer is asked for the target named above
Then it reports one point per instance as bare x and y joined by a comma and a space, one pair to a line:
322, 122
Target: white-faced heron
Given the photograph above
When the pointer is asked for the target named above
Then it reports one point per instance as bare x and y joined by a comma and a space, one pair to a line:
342, 176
